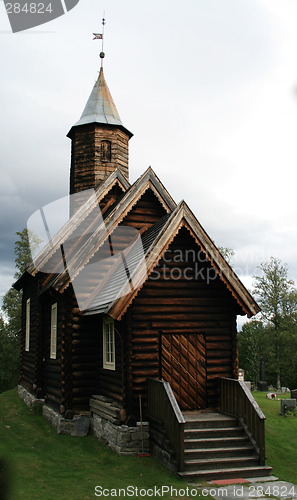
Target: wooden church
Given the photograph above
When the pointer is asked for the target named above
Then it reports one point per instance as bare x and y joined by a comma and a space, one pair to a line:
129, 314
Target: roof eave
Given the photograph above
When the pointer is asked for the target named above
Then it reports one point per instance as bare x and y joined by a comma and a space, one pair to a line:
78, 126
238, 291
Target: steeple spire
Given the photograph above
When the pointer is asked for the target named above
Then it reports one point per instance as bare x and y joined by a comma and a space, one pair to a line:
100, 107
99, 139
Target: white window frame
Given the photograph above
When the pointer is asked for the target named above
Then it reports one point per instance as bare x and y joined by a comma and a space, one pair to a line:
54, 321
108, 344
28, 325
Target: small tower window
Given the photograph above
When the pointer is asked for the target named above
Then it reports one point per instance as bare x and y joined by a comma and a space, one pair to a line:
105, 150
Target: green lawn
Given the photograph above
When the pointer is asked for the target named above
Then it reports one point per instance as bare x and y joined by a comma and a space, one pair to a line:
281, 438
48, 466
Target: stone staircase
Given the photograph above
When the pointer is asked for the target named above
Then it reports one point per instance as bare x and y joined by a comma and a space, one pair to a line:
217, 447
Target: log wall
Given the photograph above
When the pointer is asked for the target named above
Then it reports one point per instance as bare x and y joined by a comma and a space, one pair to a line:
88, 168
50, 369
80, 357
146, 212
29, 375
112, 382
111, 197
169, 302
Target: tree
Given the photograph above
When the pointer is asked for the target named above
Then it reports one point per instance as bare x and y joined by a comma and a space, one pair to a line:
227, 253
10, 319
251, 342
9, 358
277, 298
275, 292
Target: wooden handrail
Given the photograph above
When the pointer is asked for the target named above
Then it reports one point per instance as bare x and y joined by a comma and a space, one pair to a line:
163, 407
236, 400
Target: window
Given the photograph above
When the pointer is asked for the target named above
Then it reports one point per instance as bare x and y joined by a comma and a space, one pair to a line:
105, 150
27, 339
108, 344
53, 348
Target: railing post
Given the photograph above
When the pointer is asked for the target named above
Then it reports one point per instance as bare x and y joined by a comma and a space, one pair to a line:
262, 443
163, 407
235, 399
181, 458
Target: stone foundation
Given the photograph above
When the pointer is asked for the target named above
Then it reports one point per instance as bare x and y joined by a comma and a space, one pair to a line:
62, 425
28, 398
121, 438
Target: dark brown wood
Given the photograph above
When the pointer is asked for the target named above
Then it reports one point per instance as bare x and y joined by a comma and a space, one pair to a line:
164, 299
146, 211
237, 400
87, 167
184, 367
163, 407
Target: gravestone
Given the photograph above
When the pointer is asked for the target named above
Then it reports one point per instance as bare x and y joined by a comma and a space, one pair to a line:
287, 405
294, 394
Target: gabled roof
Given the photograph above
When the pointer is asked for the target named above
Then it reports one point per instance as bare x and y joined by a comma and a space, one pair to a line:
118, 281
77, 219
83, 243
100, 107
112, 294
183, 216
148, 180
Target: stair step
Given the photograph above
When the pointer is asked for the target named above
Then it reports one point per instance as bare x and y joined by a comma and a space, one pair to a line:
219, 453
221, 463
214, 432
216, 442
211, 423
231, 473
216, 446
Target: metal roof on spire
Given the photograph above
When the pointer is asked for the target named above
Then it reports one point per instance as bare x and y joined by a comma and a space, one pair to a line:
100, 107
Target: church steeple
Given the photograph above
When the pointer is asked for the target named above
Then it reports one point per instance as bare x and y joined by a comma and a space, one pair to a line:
100, 107
99, 141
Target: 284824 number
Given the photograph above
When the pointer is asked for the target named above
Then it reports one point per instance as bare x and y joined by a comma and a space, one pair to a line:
31, 8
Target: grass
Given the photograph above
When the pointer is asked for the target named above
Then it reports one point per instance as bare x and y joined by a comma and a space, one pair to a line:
280, 433
45, 466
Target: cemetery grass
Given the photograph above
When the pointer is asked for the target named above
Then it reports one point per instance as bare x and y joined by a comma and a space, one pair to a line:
280, 433
45, 466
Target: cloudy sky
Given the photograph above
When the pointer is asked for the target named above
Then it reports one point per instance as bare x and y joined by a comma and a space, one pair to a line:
209, 89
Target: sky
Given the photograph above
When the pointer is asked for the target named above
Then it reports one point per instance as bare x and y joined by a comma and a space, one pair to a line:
209, 90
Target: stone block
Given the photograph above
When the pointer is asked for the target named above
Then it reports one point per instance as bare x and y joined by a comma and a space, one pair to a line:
62, 425
30, 399
81, 427
123, 439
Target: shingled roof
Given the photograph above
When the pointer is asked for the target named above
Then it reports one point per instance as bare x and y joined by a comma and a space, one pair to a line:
113, 293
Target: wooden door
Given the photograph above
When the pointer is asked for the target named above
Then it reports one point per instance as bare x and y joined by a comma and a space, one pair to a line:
184, 367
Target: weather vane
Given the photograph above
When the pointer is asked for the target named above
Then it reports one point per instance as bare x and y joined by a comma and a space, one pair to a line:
100, 36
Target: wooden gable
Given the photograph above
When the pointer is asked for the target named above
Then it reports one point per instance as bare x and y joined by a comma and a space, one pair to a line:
146, 212
182, 216
182, 298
